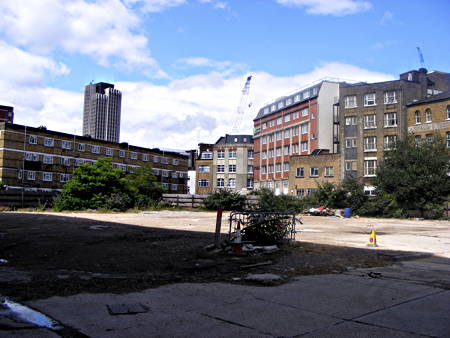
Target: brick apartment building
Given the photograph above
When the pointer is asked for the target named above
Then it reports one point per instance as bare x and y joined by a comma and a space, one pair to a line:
226, 164
374, 115
6, 114
293, 125
429, 116
38, 159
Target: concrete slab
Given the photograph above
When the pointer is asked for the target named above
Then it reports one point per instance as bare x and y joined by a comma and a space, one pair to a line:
341, 296
273, 319
351, 329
429, 315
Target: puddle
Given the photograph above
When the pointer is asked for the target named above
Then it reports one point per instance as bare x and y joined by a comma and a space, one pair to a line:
22, 313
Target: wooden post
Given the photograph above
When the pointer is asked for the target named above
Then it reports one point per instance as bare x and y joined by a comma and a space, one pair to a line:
218, 226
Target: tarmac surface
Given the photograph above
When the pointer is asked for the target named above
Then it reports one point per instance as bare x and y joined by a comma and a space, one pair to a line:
408, 299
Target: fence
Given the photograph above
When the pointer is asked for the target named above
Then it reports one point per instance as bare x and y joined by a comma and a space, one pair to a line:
13, 199
195, 201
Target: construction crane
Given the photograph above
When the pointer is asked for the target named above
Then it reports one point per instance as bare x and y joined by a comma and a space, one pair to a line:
242, 105
422, 62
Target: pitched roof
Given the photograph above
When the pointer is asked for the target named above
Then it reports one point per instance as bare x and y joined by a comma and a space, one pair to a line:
433, 98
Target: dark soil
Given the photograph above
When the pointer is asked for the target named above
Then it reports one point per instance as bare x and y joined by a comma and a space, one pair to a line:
58, 256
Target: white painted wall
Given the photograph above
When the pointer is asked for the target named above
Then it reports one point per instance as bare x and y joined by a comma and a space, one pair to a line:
328, 95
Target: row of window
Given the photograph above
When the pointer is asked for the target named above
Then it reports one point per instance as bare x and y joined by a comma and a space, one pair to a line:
306, 192
231, 183
208, 155
221, 168
428, 116
370, 120
370, 166
290, 100
314, 172
95, 149
370, 142
276, 185
286, 134
429, 138
286, 118
286, 150
370, 99
270, 168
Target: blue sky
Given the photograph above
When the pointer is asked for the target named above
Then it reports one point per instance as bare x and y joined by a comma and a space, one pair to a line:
181, 64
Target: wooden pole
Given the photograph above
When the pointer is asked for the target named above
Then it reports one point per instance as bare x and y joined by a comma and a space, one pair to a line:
218, 226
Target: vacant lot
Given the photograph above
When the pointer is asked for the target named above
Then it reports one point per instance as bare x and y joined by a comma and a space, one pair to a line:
67, 253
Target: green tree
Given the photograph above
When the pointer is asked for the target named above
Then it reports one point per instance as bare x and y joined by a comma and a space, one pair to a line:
95, 186
144, 188
416, 174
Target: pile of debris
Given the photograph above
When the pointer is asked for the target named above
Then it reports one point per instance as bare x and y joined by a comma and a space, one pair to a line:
322, 211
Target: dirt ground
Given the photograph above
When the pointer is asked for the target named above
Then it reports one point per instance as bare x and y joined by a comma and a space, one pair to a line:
51, 254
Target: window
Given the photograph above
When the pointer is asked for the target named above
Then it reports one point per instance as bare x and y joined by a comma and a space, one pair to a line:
428, 116
278, 167
370, 121
369, 190
156, 172
174, 187
249, 154
329, 171
390, 120
305, 94
448, 139
350, 165
448, 112
370, 167
164, 160
295, 131
389, 97
108, 152
63, 178
287, 133
145, 157
300, 172
81, 146
78, 161
369, 99
203, 183
304, 128
249, 183
280, 104
278, 151
95, 149
273, 107
264, 169
206, 155
304, 146
263, 141
232, 168
418, 139
65, 161
236, 140
278, 135
287, 118
350, 101
417, 116
295, 148
220, 183
270, 168
220, 168
66, 145
231, 154
48, 159
47, 177
270, 153
351, 121
288, 101
134, 155
296, 115
221, 153
286, 150
296, 98
285, 166
389, 142
301, 192
264, 154
28, 156
31, 175
122, 154
350, 142
49, 142
429, 138
250, 169
279, 121
264, 126
304, 112
32, 139
232, 183
314, 172
203, 168
370, 143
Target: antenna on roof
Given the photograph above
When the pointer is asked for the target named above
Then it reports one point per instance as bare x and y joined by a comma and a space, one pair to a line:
422, 62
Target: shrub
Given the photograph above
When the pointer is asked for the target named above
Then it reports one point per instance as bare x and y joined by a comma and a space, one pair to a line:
225, 199
268, 201
268, 229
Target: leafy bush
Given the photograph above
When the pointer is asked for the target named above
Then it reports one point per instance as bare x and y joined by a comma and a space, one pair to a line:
225, 199
268, 201
266, 229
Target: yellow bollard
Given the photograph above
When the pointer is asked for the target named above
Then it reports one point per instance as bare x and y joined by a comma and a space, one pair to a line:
373, 239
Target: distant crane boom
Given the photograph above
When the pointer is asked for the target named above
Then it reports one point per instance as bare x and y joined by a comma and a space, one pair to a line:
242, 105
422, 62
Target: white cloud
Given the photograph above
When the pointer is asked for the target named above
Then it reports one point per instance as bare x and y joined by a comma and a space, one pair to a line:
226, 67
107, 31
326, 7
382, 44
387, 18
179, 115
155, 5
